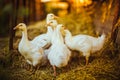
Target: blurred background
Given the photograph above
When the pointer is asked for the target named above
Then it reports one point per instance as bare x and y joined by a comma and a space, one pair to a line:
91, 17
84, 16
98, 12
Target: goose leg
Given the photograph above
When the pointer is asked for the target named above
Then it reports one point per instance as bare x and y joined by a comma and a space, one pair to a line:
37, 67
27, 65
54, 69
86, 58
30, 65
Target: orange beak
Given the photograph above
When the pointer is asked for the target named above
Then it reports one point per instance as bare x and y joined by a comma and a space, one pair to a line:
64, 27
56, 17
47, 25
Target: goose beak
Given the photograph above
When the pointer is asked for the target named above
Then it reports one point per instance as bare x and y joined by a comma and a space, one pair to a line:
56, 17
64, 27
47, 25
17, 27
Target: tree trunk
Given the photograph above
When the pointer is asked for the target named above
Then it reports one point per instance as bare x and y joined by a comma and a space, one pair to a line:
12, 22
116, 17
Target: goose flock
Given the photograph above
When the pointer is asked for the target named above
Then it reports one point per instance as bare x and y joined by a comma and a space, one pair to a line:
56, 44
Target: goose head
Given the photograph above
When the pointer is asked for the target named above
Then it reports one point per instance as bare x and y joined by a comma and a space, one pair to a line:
52, 23
61, 28
20, 26
51, 16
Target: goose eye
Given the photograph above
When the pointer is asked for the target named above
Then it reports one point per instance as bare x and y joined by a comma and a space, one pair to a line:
51, 15
51, 22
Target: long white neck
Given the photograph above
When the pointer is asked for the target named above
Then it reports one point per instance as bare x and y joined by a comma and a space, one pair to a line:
24, 36
68, 37
24, 44
49, 33
57, 37
48, 20
49, 30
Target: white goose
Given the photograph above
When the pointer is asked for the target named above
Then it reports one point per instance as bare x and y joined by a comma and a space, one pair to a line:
52, 24
84, 43
44, 40
59, 54
33, 53
51, 17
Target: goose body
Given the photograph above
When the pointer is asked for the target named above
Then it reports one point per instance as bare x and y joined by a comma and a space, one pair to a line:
34, 54
84, 43
59, 54
50, 20
44, 40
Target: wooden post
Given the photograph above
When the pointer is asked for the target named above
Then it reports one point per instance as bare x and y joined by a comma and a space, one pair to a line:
31, 16
115, 20
33, 10
117, 41
12, 23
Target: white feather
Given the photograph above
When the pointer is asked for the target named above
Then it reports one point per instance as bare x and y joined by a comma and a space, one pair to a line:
33, 53
84, 43
43, 40
59, 54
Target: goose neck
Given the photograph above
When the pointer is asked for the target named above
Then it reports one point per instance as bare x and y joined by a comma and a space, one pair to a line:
24, 36
57, 36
